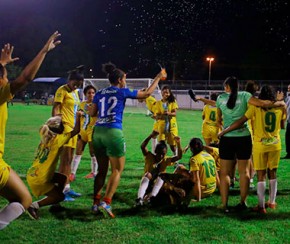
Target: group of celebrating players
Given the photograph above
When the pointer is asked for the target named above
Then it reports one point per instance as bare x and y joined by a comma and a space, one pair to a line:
98, 122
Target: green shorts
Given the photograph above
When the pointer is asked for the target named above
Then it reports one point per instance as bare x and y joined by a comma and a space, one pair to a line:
109, 141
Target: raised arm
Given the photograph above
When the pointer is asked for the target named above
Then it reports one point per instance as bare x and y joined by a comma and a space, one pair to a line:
237, 124
147, 92
31, 69
206, 101
146, 141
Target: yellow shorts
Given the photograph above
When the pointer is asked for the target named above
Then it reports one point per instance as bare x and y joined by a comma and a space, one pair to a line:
39, 186
210, 132
168, 137
4, 173
73, 141
266, 160
86, 135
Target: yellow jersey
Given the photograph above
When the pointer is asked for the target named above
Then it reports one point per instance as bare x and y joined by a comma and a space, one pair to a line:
69, 104
266, 126
150, 163
150, 104
5, 95
209, 114
39, 175
87, 122
205, 164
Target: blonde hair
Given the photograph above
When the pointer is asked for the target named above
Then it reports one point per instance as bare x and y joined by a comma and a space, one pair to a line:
51, 127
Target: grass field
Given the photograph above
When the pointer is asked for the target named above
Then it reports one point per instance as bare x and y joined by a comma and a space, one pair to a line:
201, 223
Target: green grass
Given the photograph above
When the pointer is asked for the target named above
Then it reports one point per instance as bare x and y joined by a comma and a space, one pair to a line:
201, 223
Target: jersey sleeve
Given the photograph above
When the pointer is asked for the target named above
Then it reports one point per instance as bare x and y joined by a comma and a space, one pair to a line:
59, 95
247, 96
129, 93
193, 164
250, 112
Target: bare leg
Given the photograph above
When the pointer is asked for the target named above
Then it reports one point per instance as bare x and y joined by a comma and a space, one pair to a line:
65, 161
117, 167
99, 182
227, 168
16, 191
243, 167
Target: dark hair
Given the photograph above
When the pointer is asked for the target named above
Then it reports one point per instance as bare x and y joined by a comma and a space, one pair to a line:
232, 82
160, 146
112, 72
77, 73
89, 87
213, 96
196, 146
267, 93
251, 87
1, 70
171, 97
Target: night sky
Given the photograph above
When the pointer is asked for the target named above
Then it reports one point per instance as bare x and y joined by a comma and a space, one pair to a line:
247, 38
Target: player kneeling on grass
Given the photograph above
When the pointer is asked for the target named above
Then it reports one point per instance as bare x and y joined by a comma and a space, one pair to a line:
154, 165
41, 177
267, 123
203, 168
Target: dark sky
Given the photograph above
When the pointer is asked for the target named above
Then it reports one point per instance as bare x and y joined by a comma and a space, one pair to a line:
248, 38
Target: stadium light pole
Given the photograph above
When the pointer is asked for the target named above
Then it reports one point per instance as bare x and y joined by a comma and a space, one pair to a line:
210, 60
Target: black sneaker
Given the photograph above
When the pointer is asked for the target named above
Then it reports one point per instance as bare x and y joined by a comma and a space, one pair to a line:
192, 95
242, 206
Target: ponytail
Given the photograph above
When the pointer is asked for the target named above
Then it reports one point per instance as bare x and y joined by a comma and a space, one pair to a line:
232, 82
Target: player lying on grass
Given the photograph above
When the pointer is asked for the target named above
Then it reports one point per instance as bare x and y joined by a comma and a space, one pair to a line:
176, 190
155, 163
41, 177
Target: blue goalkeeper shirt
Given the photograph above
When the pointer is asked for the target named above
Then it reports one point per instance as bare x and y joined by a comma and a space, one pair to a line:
111, 103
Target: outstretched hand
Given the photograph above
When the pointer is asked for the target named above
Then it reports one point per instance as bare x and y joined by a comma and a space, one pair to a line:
6, 55
52, 42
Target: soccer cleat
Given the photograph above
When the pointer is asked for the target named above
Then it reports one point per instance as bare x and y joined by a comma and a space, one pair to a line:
192, 95
241, 206
72, 193
224, 209
271, 205
90, 176
33, 213
95, 208
106, 210
259, 209
72, 177
68, 198
139, 202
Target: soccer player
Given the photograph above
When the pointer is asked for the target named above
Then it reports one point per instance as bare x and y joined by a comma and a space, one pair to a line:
267, 145
287, 134
108, 139
210, 128
203, 168
154, 165
165, 111
11, 186
66, 104
41, 177
176, 191
85, 135
236, 145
